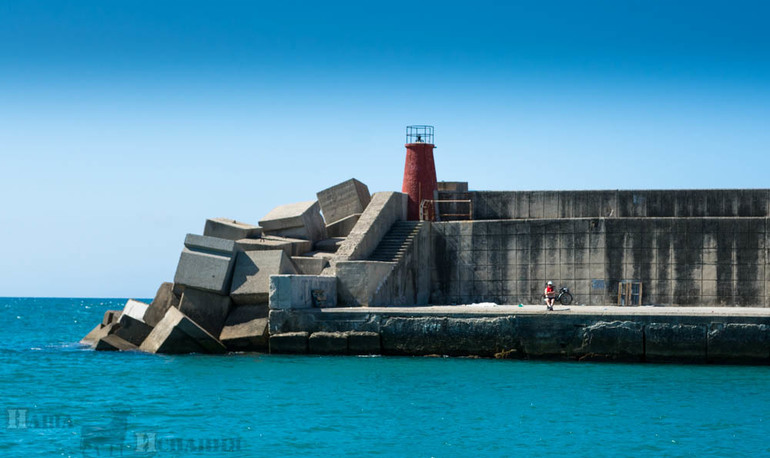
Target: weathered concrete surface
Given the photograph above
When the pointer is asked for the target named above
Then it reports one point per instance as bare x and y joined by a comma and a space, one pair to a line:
206, 263
622, 204
97, 333
131, 330
343, 200
111, 316
292, 247
309, 265
328, 343
342, 227
358, 282
207, 309
177, 334
300, 220
302, 291
453, 186
612, 340
578, 333
364, 343
675, 342
331, 245
384, 209
251, 277
230, 229
700, 261
290, 342
164, 299
739, 343
447, 336
246, 329
113, 342
135, 309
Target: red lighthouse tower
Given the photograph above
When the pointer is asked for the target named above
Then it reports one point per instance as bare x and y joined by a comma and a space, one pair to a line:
419, 171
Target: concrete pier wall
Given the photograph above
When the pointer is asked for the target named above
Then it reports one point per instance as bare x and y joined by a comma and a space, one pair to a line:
648, 334
699, 261
620, 204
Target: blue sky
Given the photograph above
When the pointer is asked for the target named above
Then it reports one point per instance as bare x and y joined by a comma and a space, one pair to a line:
125, 124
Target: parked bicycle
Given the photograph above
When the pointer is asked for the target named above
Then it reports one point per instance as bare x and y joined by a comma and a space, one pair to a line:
564, 297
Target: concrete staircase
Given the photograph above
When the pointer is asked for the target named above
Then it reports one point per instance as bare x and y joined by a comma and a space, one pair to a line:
396, 242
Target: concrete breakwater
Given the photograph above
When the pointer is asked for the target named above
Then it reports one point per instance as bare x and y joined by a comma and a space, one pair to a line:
651, 334
347, 273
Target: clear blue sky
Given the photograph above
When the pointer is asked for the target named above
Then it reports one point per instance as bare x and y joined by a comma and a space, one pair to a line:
125, 124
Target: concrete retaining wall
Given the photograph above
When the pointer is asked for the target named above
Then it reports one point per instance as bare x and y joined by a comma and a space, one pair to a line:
680, 261
648, 336
621, 204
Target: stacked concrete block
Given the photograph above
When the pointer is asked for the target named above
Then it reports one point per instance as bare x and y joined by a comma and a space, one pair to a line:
289, 343
302, 291
131, 330
309, 265
328, 343
330, 245
113, 342
207, 309
135, 310
292, 247
364, 343
251, 278
206, 263
246, 328
342, 206
177, 334
165, 298
97, 333
230, 229
301, 220
111, 316
342, 227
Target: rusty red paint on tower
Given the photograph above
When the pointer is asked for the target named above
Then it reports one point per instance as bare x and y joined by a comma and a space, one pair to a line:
419, 171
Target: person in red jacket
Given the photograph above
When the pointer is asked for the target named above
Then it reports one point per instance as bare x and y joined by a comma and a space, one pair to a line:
550, 295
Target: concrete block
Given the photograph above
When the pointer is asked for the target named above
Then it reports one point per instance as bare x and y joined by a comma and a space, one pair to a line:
330, 245
292, 247
251, 277
328, 343
96, 333
300, 220
131, 330
344, 199
113, 342
266, 244
739, 343
289, 342
302, 291
135, 309
176, 334
164, 299
308, 265
342, 228
230, 229
359, 281
207, 309
616, 340
364, 343
246, 328
675, 342
111, 316
454, 186
206, 263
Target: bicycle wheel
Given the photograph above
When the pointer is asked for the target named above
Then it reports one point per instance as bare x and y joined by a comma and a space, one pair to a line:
566, 299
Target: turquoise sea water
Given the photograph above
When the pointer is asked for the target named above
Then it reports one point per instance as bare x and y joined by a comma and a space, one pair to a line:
61, 400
